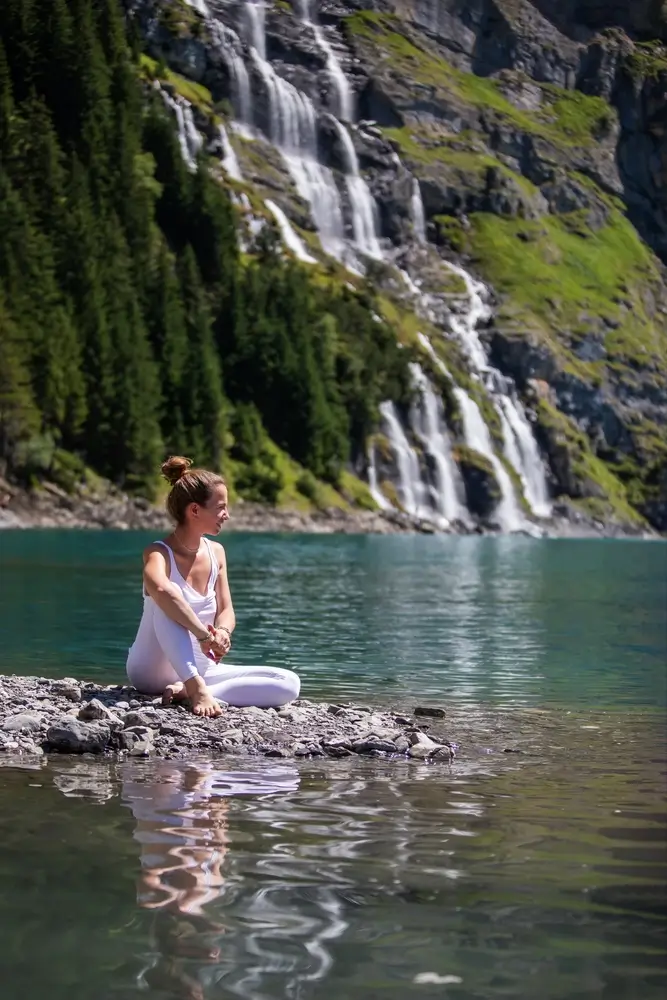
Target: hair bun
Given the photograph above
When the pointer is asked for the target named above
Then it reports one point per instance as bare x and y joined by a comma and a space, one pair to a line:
175, 467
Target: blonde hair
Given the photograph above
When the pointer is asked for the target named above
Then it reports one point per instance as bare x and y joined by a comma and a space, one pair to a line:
188, 485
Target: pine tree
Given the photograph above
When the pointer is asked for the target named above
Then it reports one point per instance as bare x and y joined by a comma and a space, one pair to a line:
135, 442
82, 266
6, 106
212, 230
203, 398
169, 339
19, 415
28, 273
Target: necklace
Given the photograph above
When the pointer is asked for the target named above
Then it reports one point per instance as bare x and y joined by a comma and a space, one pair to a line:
186, 547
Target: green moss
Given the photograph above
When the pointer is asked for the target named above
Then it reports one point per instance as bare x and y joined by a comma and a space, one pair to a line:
179, 18
197, 95
597, 486
356, 492
449, 232
567, 118
648, 60
556, 280
577, 117
464, 455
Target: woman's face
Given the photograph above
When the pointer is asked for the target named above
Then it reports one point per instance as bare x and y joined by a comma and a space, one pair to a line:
210, 517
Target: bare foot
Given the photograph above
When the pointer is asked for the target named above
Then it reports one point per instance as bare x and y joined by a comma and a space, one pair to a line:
173, 692
206, 705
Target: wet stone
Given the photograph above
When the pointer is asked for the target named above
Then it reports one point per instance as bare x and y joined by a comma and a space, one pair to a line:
430, 711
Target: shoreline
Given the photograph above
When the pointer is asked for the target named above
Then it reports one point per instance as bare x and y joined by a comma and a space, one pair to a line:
110, 509
41, 716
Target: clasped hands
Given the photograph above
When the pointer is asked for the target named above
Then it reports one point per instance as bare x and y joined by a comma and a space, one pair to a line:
218, 644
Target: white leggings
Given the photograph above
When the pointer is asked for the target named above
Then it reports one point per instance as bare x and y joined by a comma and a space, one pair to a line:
164, 652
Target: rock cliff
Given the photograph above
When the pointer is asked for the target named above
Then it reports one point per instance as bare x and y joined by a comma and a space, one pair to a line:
521, 144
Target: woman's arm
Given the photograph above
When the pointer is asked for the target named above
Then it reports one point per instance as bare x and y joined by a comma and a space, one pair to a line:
169, 597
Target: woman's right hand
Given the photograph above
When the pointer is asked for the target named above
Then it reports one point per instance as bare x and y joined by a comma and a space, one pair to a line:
217, 645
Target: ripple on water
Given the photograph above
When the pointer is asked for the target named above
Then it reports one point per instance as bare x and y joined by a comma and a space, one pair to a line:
532, 874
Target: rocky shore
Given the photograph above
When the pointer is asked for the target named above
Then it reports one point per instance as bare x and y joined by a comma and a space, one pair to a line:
50, 506
42, 716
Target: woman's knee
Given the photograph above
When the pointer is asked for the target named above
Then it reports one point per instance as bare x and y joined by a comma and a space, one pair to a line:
289, 684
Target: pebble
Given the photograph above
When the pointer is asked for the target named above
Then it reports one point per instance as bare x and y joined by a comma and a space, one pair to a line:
86, 718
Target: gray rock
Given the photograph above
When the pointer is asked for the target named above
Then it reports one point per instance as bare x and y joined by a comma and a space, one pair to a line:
73, 736
95, 710
26, 721
141, 749
373, 743
148, 717
402, 744
233, 736
430, 711
67, 688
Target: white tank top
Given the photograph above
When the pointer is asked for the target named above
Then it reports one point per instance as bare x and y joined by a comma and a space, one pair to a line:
203, 605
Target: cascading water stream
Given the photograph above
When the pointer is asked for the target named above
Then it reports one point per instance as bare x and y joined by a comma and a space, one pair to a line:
412, 491
230, 161
290, 238
189, 138
478, 437
293, 129
418, 214
362, 203
428, 425
519, 441
344, 97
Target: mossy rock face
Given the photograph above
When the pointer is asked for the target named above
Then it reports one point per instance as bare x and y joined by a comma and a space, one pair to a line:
481, 486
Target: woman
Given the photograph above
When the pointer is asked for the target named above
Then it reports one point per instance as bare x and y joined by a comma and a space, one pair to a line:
188, 618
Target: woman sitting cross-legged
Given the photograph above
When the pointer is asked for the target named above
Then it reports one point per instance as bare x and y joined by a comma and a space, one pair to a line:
188, 618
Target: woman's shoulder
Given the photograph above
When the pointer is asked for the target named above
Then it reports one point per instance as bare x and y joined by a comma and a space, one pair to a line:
156, 547
218, 551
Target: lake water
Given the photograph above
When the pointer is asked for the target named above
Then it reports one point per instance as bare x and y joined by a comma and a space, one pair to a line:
533, 874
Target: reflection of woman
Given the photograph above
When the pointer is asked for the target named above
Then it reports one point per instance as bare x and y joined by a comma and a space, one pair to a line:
181, 817
188, 618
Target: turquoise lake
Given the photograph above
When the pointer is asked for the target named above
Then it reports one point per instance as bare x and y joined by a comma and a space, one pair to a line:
537, 874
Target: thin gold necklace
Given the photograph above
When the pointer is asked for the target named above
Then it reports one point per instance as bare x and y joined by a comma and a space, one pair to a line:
186, 547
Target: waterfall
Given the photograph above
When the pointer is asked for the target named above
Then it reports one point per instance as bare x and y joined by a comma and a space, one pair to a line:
291, 240
418, 216
292, 125
477, 436
522, 451
344, 100
373, 486
230, 161
199, 6
255, 12
189, 138
229, 46
428, 424
362, 203
411, 488
293, 129
519, 441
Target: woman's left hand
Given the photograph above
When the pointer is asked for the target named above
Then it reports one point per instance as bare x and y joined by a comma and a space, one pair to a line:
221, 642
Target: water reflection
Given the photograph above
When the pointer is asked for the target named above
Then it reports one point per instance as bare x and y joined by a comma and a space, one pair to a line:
182, 825
538, 874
